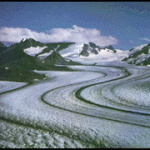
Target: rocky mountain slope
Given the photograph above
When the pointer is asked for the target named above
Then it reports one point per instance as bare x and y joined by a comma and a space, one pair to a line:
92, 48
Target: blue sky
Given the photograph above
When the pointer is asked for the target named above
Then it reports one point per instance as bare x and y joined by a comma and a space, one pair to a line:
127, 22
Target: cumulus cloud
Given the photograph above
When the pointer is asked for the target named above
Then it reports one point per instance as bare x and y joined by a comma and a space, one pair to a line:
74, 34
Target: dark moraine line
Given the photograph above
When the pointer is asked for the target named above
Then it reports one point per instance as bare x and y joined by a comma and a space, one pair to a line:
28, 84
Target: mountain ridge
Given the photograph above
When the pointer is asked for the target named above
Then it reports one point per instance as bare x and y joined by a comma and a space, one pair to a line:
29, 53
15, 56
92, 48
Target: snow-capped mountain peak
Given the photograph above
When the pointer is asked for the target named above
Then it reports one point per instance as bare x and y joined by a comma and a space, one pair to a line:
92, 54
72, 51
30, 54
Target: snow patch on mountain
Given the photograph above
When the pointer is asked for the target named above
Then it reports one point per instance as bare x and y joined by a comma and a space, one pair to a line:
72, 51
56, 47
44, 55
32, 51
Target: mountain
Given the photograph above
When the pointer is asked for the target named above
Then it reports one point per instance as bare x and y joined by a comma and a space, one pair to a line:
30, 54
110, 48
89, 48
53, 57
139, 55
92, 48
59, 46
2, 47
15, 57
92, 54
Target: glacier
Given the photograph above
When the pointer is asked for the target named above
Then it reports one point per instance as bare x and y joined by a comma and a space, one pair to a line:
92, 106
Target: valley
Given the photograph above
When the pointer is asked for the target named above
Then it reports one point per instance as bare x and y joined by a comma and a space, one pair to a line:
80, 96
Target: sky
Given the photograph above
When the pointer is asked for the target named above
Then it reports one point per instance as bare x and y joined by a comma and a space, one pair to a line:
123, 25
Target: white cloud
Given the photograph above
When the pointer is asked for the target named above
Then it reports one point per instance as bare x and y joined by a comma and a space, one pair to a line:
74, 34
145, 39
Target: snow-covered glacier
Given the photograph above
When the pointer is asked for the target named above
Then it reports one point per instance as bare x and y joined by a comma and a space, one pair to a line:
92, 106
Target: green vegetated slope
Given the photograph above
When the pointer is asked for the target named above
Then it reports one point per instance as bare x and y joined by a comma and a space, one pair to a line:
2, 47
14, 58
59, 46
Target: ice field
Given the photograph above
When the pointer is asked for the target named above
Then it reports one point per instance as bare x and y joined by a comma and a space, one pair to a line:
93, 106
